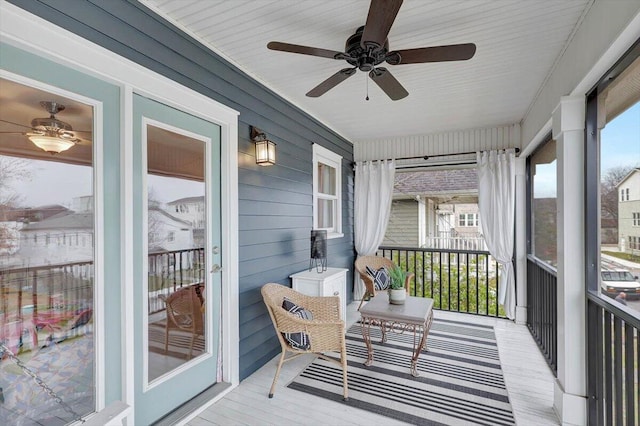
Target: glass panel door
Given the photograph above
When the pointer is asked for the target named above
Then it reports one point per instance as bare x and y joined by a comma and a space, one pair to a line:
177, 236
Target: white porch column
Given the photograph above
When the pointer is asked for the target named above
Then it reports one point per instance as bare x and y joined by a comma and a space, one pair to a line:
570, 402
521, 241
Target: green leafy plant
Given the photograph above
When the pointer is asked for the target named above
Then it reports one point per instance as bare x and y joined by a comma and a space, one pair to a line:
398, 277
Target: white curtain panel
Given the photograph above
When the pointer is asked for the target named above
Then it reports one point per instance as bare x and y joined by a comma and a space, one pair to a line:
373, 194
496, 201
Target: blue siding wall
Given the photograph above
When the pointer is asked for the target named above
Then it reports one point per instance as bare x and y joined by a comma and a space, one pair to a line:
275, 203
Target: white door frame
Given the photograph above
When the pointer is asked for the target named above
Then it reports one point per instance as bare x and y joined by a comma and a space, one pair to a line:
26, 31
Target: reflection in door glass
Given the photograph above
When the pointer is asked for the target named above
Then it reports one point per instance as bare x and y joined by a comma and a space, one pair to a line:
176, 217
46, 257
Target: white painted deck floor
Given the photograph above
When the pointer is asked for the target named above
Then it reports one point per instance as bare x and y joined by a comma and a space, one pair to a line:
528, 378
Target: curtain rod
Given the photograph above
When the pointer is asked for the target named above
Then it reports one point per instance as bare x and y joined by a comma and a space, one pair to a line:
426, 166
427, 157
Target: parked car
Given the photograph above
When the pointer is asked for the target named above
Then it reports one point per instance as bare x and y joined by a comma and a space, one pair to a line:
617, 281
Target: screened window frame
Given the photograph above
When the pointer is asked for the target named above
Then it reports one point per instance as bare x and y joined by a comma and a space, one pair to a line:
322, 155
530, 205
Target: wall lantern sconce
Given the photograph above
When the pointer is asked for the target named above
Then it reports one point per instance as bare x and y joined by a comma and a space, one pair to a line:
265, 149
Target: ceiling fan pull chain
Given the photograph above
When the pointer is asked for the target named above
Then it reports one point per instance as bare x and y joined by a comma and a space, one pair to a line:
366, 78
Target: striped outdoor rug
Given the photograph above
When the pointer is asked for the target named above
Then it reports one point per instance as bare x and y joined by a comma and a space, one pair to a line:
460, 379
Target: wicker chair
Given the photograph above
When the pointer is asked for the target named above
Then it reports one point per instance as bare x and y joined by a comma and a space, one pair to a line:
184, 313
326, 330
375, 263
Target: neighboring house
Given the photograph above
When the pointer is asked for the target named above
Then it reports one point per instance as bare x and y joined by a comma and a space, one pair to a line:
65, 237
12, 222
629, 212
435, 209
168, 233
190, 209
193, 211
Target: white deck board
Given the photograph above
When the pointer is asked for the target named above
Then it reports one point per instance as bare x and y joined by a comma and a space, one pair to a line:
528, 378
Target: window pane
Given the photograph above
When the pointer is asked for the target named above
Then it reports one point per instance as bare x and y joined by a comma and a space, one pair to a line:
326, 179
46, 262
620, 214
176, 234
619, 121
543, 204
326, 210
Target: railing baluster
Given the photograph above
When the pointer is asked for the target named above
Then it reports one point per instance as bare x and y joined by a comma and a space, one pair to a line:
440, 281
424, 283
477, 284
630, 362
448, 281
608, 371
497, 288
468, 273
431, 268
617, 369
486, 283
458, 283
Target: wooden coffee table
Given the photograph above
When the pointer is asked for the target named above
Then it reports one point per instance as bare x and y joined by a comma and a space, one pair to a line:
415, 316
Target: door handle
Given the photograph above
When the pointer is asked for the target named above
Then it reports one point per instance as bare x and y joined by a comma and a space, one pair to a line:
216, 268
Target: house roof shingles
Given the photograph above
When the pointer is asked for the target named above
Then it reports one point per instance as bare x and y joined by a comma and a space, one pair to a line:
437, 182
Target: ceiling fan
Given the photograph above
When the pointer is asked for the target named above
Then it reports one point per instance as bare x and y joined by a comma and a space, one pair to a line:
49, 133
369, 47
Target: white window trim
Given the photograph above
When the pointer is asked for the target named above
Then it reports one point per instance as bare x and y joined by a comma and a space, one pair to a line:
325, 156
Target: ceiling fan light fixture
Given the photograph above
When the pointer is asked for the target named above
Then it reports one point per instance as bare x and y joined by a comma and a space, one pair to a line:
51, 144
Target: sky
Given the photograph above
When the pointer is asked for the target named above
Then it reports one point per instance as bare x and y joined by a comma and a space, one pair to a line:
620, 140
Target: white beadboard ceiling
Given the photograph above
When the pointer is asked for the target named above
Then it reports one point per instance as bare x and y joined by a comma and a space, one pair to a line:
518, 42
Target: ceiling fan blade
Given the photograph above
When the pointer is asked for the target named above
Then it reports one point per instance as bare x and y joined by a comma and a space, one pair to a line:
388, 83
16, 124
305, 50
381, 15
331, 82
454, 52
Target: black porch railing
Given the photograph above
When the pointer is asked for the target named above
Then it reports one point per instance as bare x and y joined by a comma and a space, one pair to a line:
542, 317
33, 290
457, 280
171, 270
613, 358
61, 288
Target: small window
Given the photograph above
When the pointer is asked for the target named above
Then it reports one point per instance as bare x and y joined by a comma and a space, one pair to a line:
327, 191
171, 236
468, 219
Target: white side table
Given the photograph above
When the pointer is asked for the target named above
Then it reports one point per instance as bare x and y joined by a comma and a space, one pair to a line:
332, 282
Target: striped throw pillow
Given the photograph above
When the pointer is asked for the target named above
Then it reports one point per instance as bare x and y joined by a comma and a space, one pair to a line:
297, 340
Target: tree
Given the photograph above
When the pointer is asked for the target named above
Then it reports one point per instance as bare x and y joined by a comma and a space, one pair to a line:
12, 170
